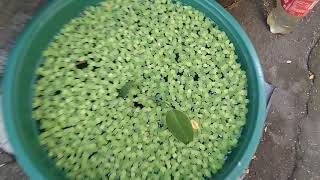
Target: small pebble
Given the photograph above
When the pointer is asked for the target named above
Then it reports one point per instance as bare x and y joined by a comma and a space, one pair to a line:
254, 157
311, 76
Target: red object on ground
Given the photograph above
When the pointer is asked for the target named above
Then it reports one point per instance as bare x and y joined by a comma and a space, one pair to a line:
298, 7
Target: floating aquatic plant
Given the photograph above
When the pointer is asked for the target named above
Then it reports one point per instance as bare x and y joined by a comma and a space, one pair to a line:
112, 76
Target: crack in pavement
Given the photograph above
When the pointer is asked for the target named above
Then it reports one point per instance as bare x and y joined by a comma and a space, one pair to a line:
299, 154
297, 150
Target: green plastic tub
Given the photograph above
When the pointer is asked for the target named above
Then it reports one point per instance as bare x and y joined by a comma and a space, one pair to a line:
25, 57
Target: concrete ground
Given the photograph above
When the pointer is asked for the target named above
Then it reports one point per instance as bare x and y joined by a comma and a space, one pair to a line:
290, 147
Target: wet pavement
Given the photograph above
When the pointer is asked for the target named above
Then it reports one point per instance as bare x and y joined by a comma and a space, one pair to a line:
290, 147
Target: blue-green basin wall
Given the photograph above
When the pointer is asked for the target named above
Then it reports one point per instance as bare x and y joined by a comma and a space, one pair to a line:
26, 55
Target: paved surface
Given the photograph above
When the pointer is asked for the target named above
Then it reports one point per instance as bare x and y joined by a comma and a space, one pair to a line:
290, 147
9, 170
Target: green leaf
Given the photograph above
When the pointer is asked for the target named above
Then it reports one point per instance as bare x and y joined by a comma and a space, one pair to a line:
123, 92
179, 125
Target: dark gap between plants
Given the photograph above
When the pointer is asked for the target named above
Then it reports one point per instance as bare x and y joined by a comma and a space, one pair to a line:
67, 127
180, 73
196, 77
92, 154
95, 68
160, 124
81, 64
138, 105
57, 92
39, 77
177, 57
165, 78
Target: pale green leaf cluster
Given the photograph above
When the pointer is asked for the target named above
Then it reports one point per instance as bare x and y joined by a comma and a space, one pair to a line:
173, 54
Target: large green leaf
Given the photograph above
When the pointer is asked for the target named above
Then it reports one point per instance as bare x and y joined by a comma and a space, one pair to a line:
180, 126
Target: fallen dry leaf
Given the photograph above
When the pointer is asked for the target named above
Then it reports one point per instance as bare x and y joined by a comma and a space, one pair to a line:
194, 124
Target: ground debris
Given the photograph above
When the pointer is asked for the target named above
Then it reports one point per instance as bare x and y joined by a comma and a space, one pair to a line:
254, 157
311, 76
